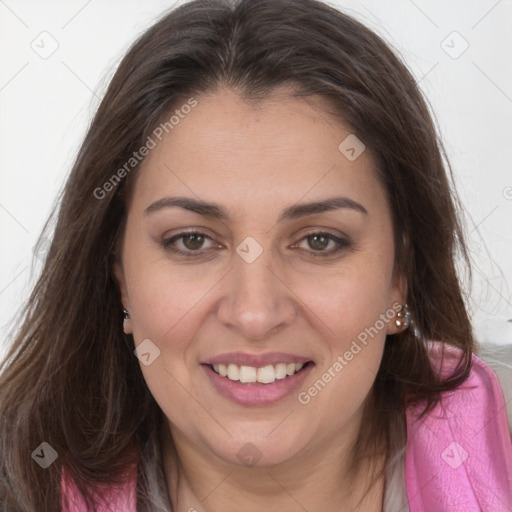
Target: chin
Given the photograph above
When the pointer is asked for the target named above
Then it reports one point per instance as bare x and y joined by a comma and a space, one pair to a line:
257, 451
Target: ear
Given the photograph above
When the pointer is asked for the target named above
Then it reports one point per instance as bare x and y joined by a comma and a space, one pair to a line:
121, 281
397, 299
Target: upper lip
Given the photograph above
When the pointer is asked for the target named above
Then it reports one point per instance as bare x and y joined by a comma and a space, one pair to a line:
255, 360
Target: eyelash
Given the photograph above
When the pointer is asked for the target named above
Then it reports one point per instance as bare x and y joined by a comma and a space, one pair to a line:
342, 244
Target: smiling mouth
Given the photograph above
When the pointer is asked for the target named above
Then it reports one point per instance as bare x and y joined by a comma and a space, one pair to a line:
263, 375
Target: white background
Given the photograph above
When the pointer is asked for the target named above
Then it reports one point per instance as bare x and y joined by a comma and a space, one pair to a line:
47, 103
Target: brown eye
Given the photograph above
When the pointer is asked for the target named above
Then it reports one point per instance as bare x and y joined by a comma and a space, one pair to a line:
187, 243
318, 242
195, 241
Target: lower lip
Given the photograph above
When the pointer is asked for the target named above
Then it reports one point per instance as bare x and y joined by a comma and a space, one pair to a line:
256, 393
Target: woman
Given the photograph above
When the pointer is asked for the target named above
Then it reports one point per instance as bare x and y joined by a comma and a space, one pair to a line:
251, 297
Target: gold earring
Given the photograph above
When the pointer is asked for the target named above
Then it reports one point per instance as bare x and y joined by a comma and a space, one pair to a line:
404, 318
127, 322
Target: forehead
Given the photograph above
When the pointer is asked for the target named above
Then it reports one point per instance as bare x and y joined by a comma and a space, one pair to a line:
252, 153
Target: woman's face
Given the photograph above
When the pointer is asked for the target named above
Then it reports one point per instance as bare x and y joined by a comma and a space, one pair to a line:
255, 291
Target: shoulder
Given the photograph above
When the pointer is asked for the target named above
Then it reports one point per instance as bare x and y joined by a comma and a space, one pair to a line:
462, 425
499, 359
489, 381
462, 448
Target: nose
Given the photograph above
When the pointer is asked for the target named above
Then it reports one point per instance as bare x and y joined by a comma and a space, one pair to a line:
257, 302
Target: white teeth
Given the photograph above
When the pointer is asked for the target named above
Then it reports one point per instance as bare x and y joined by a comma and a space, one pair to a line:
233, 372
247, 374
280, 371
267, 374
264, 375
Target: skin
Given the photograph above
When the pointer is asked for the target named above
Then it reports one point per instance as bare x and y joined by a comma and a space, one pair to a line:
255, 160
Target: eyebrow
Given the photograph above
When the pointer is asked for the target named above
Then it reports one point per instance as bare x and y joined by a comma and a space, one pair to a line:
215, 211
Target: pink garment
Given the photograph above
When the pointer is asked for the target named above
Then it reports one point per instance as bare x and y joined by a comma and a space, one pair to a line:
121, 498
458, 457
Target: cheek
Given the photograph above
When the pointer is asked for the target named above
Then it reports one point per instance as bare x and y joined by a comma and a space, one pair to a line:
167, 309
351, 298
355, 340
164, 303
350, 313
351, 308
161, 294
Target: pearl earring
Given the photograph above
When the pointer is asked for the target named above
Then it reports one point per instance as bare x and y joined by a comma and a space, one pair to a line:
404, 318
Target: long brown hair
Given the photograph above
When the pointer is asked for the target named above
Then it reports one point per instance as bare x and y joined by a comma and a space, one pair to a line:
71, 378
